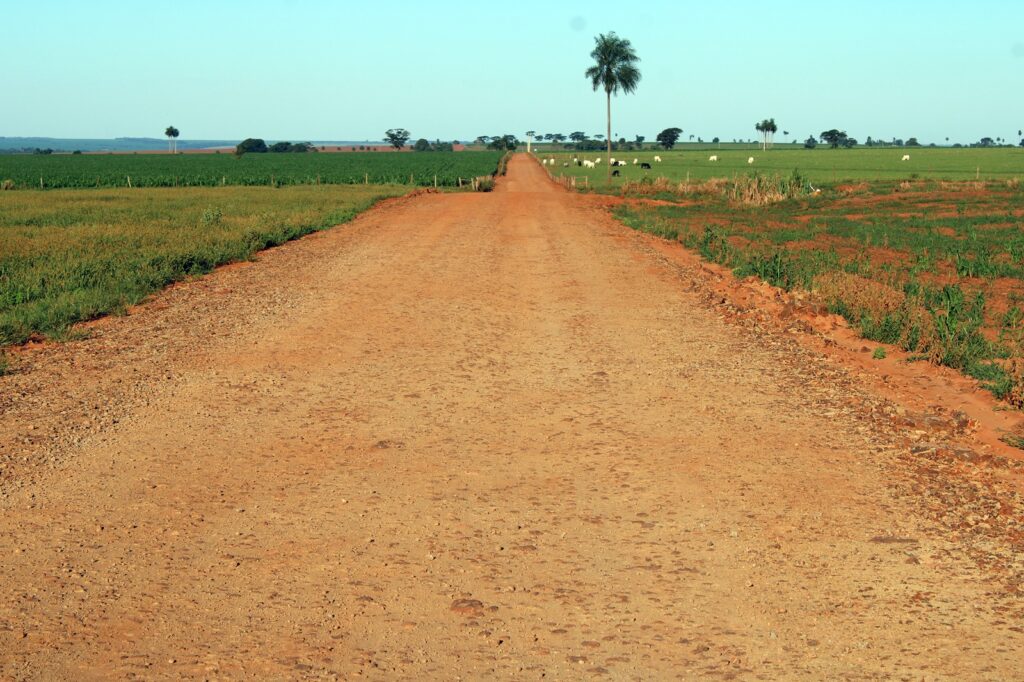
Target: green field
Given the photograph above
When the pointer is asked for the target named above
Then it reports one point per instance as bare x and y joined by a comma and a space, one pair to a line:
819, 166
25, 171
73, 255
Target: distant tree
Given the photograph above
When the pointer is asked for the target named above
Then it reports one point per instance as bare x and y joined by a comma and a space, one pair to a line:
767, 128
1022, 142
578, 136
849, 143
987, 142
810, 143
397, 137
483, 139
834, 138
715, 140
251, 145
558, 138
691, 138
785, 133
912, 142
529, 138
77, 151
614, 70
640, 140
668, 137
421, 145
503, 142
172, 139
869, 142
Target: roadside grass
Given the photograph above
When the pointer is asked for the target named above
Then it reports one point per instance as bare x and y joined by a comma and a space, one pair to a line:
72, 255
937, 271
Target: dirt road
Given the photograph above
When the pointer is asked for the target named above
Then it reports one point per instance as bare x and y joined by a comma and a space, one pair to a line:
468, 436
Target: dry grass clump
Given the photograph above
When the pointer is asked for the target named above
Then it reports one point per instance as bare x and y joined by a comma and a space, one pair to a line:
965, 185
760, 190
7, 184
860, 293
883, 313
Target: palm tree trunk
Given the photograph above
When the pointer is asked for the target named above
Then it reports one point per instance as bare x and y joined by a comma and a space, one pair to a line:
609, 158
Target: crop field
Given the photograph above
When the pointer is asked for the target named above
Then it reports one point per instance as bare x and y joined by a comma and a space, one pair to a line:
73, 255
933, 267
24, 171
818, 166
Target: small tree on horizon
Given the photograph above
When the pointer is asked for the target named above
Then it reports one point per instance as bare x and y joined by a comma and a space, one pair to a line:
172, 139
614, 69
767, 128
397, 137
668, 137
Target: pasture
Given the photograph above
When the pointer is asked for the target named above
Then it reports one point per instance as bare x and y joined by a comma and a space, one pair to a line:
819, 166
73, 255
31, 171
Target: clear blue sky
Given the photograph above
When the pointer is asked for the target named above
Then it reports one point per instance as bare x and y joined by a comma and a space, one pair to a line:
329, 70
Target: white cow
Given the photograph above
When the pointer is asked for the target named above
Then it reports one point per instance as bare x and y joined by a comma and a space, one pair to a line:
750, 159
713, 157
636, 161
906, 157
597, 160
658, 159
613, 162
544, 162
589, 164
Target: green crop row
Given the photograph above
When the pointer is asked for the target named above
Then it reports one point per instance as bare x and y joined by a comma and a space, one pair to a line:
444, 169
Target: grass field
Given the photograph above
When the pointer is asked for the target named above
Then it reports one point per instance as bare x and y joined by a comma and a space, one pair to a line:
936, 268
73, 255
30, 171
818, 166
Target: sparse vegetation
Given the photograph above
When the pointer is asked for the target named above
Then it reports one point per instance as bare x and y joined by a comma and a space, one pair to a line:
916, 267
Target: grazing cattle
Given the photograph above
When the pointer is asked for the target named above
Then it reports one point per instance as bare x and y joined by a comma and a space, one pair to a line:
589, 164
645, 166
619, 163
906, 157
750, 159
565, 164
636, 161
615, 173
713, 157
544, 162
597, 160
613, 162
658, 159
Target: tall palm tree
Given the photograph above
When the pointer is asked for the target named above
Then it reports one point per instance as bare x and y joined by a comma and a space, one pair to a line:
614, 69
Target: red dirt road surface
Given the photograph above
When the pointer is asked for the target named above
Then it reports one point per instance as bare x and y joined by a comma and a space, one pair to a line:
481, 436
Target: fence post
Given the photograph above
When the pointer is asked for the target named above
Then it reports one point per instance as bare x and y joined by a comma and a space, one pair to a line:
40, 182
129, 181
435, 180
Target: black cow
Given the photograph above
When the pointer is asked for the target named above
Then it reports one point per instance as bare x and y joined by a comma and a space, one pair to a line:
645, 166
615, 174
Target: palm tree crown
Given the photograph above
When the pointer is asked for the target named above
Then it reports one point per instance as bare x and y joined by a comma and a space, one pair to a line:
614, 70
614, 66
